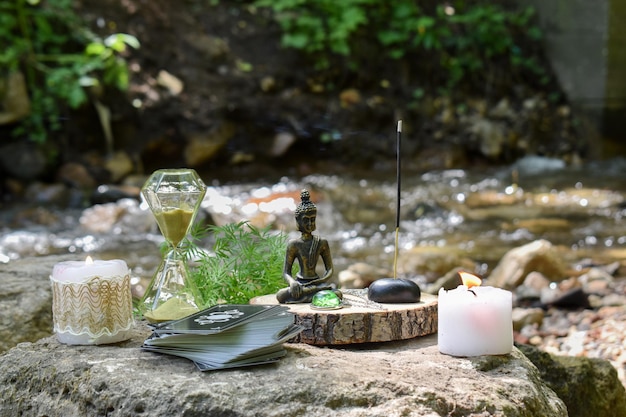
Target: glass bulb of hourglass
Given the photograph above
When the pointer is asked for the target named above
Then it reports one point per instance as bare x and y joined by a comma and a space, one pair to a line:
174, 196
174, 223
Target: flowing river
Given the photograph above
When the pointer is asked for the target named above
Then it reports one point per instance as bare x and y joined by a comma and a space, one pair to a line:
477, 214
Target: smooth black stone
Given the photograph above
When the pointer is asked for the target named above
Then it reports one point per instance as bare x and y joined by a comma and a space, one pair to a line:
394, 291
572, 299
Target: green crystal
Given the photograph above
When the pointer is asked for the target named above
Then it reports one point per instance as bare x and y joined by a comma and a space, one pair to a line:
326, 299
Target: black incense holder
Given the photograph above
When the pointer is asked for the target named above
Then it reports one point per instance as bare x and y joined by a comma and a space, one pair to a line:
395, 290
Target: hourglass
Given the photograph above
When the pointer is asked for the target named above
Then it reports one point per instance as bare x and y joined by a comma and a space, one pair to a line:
174, 196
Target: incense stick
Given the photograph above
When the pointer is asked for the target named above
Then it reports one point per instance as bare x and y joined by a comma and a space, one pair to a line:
398, 187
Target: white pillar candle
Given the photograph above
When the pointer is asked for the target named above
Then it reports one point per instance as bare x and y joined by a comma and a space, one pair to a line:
475, 321
91, 301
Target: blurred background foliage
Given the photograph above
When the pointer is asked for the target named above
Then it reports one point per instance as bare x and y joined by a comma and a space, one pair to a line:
452, 48
64, 63
462, 41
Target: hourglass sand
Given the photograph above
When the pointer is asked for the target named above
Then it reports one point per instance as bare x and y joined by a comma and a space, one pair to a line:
174, 196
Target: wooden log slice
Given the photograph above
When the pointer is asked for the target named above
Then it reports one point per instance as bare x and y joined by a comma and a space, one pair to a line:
361, 320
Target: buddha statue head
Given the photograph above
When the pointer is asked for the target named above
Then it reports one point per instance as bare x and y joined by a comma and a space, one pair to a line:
305, 213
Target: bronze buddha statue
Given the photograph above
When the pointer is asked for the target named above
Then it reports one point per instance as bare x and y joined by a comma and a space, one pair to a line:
306, 250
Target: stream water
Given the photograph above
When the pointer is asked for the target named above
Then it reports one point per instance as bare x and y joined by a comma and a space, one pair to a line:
480, 214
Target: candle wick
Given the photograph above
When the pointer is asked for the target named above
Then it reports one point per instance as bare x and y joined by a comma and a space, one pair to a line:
472, 291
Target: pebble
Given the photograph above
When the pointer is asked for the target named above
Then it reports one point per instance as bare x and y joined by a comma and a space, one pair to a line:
124, 216
76, 175
593, 333
527, 316
597, 287
536, 281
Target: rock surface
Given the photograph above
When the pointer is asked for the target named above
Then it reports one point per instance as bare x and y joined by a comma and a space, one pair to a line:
408, 378
26, 300
605, 397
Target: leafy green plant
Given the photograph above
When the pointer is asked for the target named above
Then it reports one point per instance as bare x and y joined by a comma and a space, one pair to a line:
319, 27
60, 58
484, 34
245, 262
461, 40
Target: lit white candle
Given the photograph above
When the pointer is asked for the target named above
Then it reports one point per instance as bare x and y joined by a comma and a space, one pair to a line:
475, 320
79, 271
91, 301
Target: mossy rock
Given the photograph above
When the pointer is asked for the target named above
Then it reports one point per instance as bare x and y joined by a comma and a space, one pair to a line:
588, 387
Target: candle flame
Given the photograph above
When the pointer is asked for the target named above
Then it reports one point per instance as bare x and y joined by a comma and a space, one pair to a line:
470, 280
88, 260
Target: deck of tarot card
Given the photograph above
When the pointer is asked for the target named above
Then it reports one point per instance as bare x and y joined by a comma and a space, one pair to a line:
226, 336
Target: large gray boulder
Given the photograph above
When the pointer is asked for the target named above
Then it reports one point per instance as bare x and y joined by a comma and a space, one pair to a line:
409, 378
26, 300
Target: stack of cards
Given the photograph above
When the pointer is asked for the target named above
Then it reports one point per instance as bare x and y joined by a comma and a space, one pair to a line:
226, 335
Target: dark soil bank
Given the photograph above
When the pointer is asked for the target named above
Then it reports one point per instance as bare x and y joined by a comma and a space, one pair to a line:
212, 89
